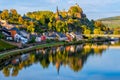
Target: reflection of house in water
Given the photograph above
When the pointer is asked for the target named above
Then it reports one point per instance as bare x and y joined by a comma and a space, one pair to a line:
24, 57
53, 50
61, 48
15, 61
79, 47
58, 64
19, 59
71, 56
67, 48
42, 51
72, 48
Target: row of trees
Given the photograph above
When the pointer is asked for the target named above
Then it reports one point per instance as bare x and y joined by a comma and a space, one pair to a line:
41, 21
67, 56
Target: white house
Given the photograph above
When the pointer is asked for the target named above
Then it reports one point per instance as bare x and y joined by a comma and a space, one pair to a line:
52, 36
19, 38
38, 39
25, 34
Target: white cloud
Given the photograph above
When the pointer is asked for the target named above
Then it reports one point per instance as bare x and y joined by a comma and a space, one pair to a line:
93, 9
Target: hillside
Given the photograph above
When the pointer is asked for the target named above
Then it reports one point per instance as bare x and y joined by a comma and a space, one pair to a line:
112, 22
74, 19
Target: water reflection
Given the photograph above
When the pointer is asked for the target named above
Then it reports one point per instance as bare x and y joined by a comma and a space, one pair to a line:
73, 56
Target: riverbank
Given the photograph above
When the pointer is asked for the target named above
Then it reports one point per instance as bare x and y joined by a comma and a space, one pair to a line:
6, 46
47, 45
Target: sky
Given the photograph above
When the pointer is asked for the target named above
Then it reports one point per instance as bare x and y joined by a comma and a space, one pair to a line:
94, 9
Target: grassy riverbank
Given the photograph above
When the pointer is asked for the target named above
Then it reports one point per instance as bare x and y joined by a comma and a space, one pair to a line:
5, 46
47, 45
20, 51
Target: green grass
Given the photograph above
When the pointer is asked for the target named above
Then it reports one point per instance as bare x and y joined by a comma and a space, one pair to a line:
47, 45
5, 46
19, 51
110, 18
112, 22
25, 50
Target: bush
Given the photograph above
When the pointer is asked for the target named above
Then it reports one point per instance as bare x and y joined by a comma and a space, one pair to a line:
48, 41
32, 40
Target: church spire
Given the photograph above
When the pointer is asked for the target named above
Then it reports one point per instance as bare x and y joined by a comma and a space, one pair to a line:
57, 10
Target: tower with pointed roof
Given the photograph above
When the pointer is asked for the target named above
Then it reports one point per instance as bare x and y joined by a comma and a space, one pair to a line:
58, 16
57, 11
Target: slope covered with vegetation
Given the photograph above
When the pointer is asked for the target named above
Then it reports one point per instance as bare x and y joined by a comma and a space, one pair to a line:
73, 19
111, 22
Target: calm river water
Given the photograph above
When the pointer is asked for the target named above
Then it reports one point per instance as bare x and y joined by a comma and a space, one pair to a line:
76, 62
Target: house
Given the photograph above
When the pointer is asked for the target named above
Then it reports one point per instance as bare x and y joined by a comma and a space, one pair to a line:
43, 38
70, 38
62, 37
19, 38
51, 36
38, 39
25, 34
4, 23
6, 33
14, 34
78, 36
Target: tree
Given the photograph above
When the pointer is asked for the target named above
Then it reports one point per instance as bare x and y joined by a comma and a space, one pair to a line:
61, 26
97, 31
50, 26
20, 20
5, 14
13, 12
31, 28
6, 71
87, 31
116, 32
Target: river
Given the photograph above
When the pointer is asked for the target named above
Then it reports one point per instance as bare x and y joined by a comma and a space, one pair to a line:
98, 61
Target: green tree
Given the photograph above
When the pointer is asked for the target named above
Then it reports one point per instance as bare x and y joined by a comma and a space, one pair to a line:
31, 27
87, 31
97, 31
5, 14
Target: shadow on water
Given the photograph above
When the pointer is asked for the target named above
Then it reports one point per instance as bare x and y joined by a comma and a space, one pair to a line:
73, 56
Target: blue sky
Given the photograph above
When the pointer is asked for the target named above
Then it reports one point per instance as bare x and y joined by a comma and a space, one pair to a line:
94, 9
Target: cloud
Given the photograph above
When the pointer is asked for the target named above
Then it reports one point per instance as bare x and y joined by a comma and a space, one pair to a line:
93, 9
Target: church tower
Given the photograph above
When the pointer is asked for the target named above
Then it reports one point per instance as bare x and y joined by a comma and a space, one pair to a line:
58, 16
57, 11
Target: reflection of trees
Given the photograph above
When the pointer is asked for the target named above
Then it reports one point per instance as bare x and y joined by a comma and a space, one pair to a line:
6, 71
72, 56
15, 71
44, 60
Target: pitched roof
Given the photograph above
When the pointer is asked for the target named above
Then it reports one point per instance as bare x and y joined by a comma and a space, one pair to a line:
16, 29
61, 35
